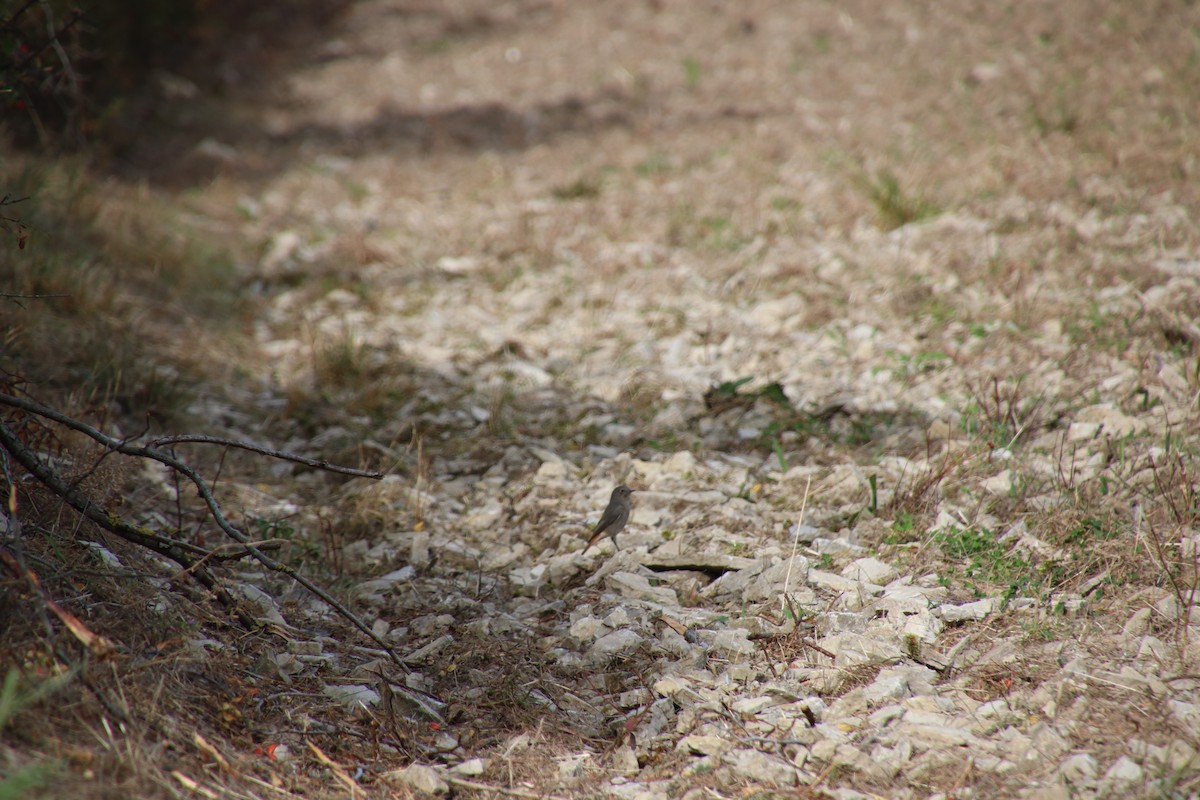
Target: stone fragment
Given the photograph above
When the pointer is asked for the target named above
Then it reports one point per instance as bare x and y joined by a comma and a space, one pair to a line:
1005, 651
1050, 790
485, 516
1078, 768
1045, 743
1000, 484
266, 604
770, 582
587, 629
625, 760
1138, 623
932, 736
418, 550
852, 758
870, 570
613, 644
353, 696
639, 587
671, 685
749, 706
1186, 713
287, 664
888, 685
304, 647
733, 584
619, 617
886, 714
1111, 421
471, 768
660, 718
999, 707
430, 624
759, 767
680, 463
572, 766
836, 548
445, 742
501, 557
1082, 431
529, 581
805, 533
550, 472
1124, 771
853, 648
888, 762
824, 749
703, 745
678, 646
422, 779
840, 621
836, 583
562, 567
980, 609
633, 698
733, 641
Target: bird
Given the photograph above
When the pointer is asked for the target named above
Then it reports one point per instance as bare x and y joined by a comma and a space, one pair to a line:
615, 516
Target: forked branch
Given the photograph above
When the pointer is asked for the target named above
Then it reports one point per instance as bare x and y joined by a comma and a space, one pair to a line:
185, 555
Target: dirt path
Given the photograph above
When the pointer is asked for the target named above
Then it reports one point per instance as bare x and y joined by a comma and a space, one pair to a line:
525, 240
936, 266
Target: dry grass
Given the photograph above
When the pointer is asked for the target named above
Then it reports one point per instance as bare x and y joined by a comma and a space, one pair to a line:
765, 151
104, 301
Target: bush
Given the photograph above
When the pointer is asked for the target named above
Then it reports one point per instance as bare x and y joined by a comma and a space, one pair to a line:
64, 69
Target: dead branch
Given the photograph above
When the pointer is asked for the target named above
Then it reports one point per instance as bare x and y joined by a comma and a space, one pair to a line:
114, 524
168, 548
266, 451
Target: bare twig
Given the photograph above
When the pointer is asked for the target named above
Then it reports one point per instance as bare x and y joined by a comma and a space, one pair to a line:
428, 704
53, 39
796, 541
812, 645
20, 230
114, 524
9, 200
16, 14
266, 451
1182, 509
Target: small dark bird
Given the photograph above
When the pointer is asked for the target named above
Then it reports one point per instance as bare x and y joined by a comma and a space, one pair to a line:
615, 516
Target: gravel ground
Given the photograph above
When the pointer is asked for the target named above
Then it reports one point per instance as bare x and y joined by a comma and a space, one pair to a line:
888, 314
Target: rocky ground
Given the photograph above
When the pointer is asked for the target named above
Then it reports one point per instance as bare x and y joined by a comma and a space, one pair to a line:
887, 313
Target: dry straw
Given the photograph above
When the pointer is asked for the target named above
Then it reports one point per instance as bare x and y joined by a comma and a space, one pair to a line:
795, 545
